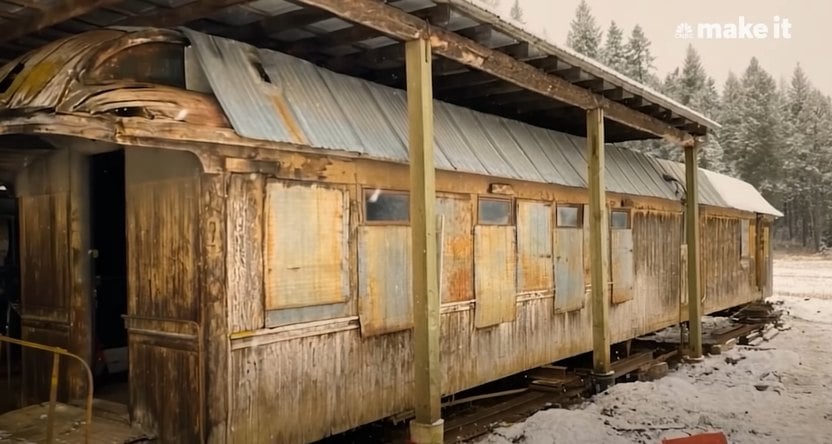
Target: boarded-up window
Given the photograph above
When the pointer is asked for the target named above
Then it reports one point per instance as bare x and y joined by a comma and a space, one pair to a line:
744, 232
570, 288
534, 246
622, 265
456, 247
495, 274
306, 245
384, 279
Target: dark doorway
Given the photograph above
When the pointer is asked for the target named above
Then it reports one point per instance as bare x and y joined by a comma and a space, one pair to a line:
109, 267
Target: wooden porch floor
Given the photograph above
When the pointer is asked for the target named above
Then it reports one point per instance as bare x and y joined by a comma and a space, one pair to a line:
29, 425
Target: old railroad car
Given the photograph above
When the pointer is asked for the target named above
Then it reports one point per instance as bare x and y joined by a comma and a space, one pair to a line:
259, 205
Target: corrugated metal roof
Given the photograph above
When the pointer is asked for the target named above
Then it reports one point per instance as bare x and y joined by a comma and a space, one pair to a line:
337, 112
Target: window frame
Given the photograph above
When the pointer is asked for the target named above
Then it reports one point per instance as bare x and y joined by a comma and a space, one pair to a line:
511, 211
626, 212
365, 191
580, 216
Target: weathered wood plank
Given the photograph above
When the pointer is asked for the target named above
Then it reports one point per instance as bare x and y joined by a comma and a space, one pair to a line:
212, 228
61, 12
245, 252
425, 275
692, 234
598, 232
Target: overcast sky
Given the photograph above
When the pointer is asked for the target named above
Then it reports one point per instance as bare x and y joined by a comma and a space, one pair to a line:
811, 29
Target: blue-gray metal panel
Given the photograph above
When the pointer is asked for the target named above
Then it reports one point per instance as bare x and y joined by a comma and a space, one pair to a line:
616, 179
384, 275
570, 288
535, 151
322, 120
484, 150
450, 140
393, 102
238, 88
556, 149
575, 153
501, 139
373, 129
645, 167
534, 246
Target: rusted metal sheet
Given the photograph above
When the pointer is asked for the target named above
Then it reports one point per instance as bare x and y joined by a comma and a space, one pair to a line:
622, 266
385, 304
495, 274
570, 287
534, 246
307, 261
457, 280
232, 70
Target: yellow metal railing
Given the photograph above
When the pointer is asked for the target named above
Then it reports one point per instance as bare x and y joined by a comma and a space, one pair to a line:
57, 352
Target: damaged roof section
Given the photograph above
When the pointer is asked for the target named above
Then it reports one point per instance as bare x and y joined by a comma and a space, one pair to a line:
190, 77
109, 71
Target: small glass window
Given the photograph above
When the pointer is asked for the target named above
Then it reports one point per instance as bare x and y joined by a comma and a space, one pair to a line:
494, 212
386, 206
569, 216
619, 220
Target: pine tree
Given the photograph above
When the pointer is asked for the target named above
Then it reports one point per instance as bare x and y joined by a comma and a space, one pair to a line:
516, 12
613, 53
730, 117
584, 34
639, 58
757, 155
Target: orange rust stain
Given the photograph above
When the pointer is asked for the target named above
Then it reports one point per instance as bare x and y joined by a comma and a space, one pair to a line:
289, 118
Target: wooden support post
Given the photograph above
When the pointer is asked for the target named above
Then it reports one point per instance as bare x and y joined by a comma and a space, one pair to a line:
428, 425
692, 234
598, 234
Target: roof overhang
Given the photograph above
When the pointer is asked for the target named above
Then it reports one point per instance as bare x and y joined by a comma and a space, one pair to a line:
484, 63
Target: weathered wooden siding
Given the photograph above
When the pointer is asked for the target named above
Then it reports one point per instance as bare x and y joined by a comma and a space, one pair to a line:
457, 247
55, 274
333, 363
163, 208
245, 252
534, 246
727, 274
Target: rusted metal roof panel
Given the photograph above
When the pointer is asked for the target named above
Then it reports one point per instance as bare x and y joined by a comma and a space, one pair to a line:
475, 135
375, 133
273, 96
246, 99
320, 117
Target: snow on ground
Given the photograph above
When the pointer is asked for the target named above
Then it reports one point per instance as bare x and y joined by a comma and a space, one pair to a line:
780, 391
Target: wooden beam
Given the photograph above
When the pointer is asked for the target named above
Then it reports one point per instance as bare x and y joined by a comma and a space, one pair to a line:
692, 236
399, 24
61, 12
164, 17
598, 246
270, 25
427, 427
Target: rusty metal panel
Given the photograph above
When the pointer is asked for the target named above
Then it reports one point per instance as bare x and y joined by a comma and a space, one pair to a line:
622, 266
457, 260
307, 261
384, 279
570, 288
307, 95
495, 274
242, 93
370, 122
534, 246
